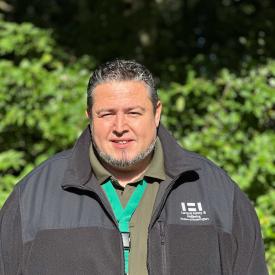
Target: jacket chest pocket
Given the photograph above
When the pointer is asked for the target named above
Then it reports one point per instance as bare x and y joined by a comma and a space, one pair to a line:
190, 250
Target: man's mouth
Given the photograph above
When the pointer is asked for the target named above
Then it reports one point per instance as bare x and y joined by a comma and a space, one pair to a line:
121, 143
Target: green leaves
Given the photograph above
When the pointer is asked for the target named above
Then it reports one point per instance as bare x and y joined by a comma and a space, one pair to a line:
42, 100
26, 39
11, 159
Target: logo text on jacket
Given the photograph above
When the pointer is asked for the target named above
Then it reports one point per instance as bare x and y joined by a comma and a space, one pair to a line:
193, 211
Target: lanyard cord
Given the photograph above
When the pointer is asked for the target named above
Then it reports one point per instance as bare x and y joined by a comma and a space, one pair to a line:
123, 215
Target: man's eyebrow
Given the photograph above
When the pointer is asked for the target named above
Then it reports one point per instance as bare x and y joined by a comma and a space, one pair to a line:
126, 109
135, 107
105, 110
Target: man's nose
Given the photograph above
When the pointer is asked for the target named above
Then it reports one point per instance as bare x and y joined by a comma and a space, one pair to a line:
120, 125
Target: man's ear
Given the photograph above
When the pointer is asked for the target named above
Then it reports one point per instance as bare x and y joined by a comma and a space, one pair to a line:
88, 114
158, 113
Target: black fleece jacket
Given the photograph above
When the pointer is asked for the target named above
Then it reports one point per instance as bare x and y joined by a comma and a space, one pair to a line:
58, 221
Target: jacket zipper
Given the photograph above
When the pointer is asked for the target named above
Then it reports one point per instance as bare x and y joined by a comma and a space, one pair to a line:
161, 204
164, 197
162, 234
163, 248
162, 229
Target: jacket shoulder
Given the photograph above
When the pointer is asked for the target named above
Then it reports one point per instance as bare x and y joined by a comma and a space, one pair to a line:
57, 162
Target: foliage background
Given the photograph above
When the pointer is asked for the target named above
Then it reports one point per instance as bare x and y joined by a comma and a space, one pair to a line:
214, 62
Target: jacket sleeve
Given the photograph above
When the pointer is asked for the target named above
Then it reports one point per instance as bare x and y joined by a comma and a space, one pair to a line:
249, 256
11, 246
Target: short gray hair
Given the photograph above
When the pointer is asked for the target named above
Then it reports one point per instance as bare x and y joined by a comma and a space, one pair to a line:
121, 70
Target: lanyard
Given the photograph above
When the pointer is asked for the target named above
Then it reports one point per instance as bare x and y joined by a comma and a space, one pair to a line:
123, 215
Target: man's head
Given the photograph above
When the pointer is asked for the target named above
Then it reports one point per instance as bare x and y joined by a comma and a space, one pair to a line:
121, 70
125, 112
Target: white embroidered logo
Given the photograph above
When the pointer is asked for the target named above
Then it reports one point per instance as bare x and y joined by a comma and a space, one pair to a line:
193, 211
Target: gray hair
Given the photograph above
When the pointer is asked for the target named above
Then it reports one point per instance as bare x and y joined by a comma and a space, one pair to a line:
121, 70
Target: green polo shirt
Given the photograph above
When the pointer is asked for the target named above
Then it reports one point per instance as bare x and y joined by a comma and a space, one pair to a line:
154, 174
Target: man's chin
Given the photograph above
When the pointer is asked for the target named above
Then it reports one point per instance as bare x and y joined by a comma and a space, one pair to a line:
126, 161
121, 163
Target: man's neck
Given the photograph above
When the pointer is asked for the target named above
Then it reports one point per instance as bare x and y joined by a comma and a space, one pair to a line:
129, 174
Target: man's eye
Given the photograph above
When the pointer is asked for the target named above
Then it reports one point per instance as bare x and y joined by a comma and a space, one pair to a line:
105, 115
134, 113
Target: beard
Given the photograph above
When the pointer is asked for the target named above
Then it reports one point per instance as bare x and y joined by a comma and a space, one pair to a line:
124, 162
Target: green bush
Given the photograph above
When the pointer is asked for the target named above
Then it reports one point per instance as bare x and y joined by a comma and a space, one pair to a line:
229, 119
42, 100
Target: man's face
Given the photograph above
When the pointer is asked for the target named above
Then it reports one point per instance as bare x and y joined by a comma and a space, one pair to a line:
124, 124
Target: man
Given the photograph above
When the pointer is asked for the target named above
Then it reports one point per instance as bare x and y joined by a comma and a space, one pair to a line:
127, 198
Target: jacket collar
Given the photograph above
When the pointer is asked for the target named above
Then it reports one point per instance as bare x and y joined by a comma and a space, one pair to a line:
79, 170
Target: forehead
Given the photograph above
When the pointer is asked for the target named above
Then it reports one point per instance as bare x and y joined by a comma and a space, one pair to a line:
121, 91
